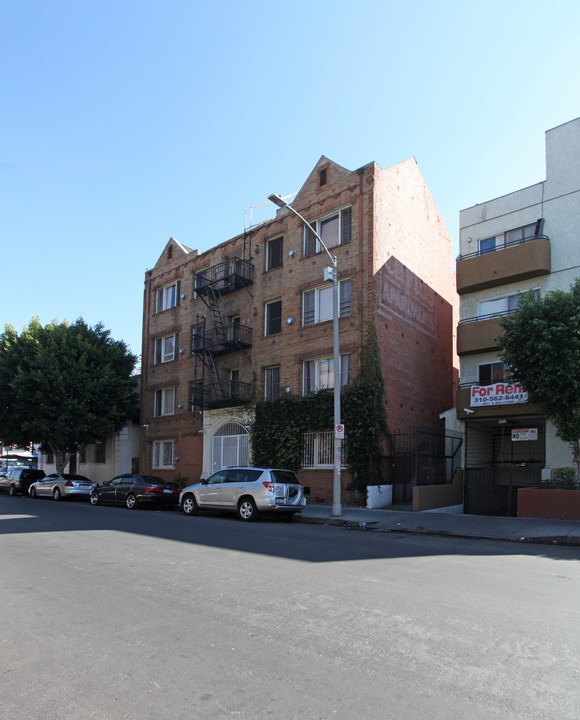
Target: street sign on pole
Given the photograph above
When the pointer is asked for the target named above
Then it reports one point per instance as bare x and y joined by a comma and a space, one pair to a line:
339, 432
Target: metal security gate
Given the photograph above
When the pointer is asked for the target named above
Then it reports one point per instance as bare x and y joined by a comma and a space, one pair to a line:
230, 446
422, 456
494, 491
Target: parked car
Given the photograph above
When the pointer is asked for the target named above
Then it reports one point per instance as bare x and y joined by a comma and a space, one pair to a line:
59, 486
19, 479
246, 491
134, 490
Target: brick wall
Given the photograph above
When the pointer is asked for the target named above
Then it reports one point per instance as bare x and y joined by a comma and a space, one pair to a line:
399, 264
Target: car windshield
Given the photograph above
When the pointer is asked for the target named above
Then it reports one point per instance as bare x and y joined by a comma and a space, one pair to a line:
76, 477
285, 476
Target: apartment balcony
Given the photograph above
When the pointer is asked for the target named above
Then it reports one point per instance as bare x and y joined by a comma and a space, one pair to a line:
228, 393
478, 335
226, 276
227, 338
465, 411
509, 263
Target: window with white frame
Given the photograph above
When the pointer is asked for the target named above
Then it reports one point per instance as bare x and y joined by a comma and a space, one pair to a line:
318, 449
165, 349
274, 257
273, 317
167, 297
318, 373
503, 305
165, 402
317, 303
272, 383
334, 230
163, 454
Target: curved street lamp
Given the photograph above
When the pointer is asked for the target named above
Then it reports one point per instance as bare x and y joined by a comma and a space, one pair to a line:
330, 273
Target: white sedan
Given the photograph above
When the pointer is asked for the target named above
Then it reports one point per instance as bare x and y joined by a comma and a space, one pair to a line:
58, 486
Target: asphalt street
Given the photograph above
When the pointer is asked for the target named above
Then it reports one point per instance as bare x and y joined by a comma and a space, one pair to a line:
115, 614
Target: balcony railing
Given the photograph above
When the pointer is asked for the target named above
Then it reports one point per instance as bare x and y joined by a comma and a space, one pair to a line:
506, 264
224, 339
228, 393
226, 276
499, 248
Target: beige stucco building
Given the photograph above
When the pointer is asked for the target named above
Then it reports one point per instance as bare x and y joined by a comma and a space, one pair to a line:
527, 240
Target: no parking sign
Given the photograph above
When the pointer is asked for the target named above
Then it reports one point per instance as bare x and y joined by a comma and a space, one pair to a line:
339, 432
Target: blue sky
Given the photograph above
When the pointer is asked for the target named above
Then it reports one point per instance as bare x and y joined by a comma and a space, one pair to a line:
124, 123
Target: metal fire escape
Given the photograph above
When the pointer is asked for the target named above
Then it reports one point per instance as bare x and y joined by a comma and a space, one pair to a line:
216, 335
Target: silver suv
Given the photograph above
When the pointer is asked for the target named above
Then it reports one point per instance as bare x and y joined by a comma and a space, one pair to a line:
246, 491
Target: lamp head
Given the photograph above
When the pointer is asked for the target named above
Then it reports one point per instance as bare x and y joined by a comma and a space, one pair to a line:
277, 200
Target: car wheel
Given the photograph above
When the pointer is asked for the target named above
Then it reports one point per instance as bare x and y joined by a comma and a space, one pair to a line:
95, 500
189, 505
247, 509
131, 501
56, 494
32, 492
12, 490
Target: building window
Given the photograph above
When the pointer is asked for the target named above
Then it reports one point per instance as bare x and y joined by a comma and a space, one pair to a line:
322, 177
521, 234
273, 317
317, 449
165, 349
164, 402
83, 455
503, 305
489, 244
163, 454
318, 373
166, 297
272, 383
317, 303
274, 253
334, 230
100, 452
511, 237
491, 373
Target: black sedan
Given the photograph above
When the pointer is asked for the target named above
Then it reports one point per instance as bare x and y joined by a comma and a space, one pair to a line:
134, 490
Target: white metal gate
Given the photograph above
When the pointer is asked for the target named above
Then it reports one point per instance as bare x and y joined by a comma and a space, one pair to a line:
229, 446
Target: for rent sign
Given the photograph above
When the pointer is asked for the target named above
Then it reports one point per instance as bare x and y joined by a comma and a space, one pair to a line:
497, 394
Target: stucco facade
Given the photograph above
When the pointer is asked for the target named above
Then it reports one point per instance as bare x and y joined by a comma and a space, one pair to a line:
526, 240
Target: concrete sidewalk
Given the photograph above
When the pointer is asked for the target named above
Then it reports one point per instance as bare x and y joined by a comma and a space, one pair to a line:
561, 532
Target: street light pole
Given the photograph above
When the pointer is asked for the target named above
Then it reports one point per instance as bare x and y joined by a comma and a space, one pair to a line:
330, 273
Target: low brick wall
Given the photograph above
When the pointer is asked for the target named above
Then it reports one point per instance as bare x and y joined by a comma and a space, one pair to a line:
549, 503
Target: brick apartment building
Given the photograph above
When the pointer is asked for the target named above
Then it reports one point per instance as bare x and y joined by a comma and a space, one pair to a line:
526, 240
252, 318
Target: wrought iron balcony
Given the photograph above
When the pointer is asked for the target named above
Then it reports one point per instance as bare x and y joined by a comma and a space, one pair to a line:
223, 339
222, 394
225, 277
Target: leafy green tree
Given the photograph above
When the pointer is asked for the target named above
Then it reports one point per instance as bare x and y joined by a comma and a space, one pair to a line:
541, 347
62, 386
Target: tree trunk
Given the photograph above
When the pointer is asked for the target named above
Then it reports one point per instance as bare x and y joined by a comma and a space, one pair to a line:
61, 459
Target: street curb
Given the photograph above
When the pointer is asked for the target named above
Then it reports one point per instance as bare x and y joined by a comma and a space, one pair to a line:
374, 525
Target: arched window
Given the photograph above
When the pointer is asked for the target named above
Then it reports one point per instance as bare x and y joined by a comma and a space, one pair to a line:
229, 446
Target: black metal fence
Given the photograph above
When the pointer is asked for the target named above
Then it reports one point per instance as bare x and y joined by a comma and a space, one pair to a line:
494, 490
420, 456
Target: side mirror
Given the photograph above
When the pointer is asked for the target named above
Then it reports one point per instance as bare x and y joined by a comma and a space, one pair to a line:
203, 481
